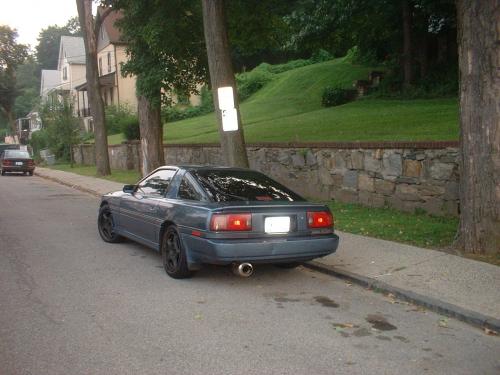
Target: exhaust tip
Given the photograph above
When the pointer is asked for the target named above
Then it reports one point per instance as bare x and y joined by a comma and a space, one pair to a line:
243, 269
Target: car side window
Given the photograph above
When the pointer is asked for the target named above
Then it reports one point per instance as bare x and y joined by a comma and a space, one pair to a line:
157, 184
187, 191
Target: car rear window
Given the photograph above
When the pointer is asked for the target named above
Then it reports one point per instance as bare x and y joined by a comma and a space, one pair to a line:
17, 154
242, 185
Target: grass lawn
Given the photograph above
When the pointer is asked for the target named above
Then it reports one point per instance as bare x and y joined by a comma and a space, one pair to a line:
417, 229
289, 109
117, 175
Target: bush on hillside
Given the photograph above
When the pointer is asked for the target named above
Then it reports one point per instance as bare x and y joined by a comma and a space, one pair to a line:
171, 114
251, 82
130, 128
321, 55
333, 96
115, 115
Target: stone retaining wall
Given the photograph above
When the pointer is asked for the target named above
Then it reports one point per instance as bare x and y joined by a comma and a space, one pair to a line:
403, 175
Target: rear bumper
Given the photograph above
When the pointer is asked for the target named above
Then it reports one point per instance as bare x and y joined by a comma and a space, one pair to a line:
278, 250
13, 168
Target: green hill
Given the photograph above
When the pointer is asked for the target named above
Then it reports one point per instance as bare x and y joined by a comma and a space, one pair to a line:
289, 109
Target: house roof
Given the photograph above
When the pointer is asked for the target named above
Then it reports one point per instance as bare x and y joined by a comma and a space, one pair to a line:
113, 32
50, 80
73, 49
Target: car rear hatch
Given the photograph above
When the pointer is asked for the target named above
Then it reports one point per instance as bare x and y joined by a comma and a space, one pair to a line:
270, 220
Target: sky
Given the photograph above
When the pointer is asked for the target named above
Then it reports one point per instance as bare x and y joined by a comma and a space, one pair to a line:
29, 17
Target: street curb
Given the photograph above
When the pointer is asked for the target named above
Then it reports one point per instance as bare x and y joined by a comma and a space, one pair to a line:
73, 186
433, 304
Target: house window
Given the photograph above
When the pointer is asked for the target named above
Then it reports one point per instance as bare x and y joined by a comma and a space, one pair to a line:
100, 65
65, 73
109, 62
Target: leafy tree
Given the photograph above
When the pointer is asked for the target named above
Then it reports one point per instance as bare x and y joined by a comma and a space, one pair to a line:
166, 53
28, 85
12, 55
47, 50
61, 130
90, 28
222, 75
406, 32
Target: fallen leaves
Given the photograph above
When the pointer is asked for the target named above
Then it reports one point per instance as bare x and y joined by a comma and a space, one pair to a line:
490, 332
443, 323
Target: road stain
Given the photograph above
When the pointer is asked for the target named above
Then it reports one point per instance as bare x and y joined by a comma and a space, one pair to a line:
398, 269
362, 332
427, 349
383, 338
285, 299
327, 302
380, 323
402, 339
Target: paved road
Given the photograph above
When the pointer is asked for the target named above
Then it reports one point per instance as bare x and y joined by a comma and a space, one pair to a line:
71, 304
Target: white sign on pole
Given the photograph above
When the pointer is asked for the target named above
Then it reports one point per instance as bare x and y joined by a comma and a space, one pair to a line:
228, 111
229, 120
226, 97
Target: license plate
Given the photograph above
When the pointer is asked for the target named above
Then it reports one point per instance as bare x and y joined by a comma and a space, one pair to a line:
19, 163
277, 224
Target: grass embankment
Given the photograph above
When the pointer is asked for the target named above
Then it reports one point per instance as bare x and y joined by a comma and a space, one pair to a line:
288, 109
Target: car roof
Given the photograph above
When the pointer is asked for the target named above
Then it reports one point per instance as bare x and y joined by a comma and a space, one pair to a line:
210, 167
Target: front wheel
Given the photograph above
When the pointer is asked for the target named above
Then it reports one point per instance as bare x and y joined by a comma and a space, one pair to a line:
106, 226
173, 255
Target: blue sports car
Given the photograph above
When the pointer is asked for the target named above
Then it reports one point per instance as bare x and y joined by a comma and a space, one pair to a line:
197, 215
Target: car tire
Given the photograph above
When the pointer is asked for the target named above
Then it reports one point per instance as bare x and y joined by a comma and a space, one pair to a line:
3, 173
106, 224
173, 254
30, 173
287, 265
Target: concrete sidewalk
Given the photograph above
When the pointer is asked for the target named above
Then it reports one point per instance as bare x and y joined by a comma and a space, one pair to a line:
465, 289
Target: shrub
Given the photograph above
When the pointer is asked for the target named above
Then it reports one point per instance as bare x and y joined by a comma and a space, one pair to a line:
321, 55
171, 114
251, 82
115, 115
333, 96
39, 141
130, 128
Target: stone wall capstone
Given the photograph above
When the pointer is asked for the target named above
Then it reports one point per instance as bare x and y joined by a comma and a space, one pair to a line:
403, 175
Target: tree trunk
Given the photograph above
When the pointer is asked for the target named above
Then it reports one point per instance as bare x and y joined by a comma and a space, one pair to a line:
93, 86
407, 47
424, 57
151, 130
222, 75
11, 121
479, 62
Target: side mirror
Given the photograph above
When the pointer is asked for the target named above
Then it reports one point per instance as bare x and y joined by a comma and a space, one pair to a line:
129, 189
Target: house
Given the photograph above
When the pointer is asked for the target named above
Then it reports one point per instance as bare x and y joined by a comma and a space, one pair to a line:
61, 84
49, 81
111, 54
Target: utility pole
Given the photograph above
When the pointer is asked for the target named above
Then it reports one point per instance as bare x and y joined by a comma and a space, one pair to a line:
222, 76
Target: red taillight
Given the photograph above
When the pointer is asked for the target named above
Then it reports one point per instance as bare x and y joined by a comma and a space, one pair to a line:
319, 219
31, 162
231, 222
7, 162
